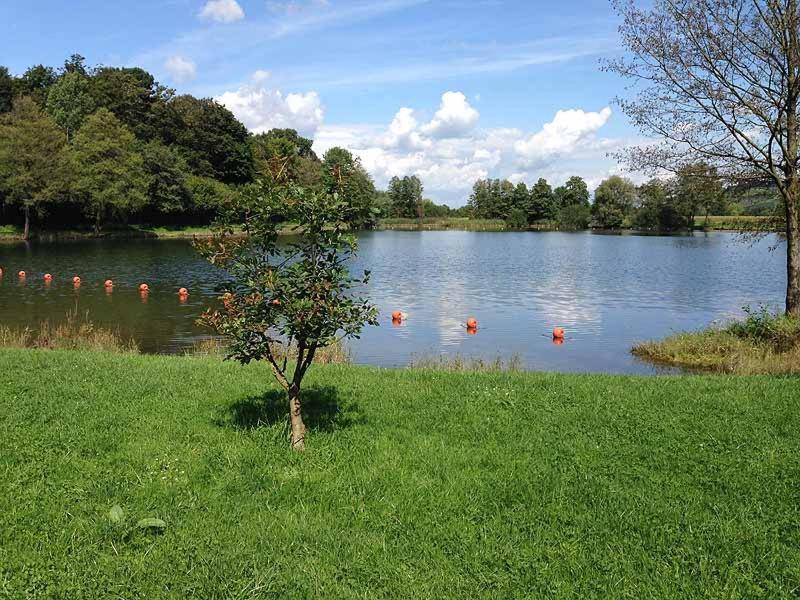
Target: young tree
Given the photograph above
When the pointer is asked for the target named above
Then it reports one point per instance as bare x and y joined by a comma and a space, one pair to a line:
69, 102
282, 298
720, 83
110, 175
613, 201
33, 165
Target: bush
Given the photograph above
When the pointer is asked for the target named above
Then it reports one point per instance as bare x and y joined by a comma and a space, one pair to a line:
517, 219
779, 331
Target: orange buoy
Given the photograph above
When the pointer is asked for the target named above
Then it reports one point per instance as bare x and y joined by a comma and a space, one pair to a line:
276, 302
108, 283
22, 274
1, 271
472, 323
397, 316
76, 280
183, 292
48, 277
143, 287
558, 333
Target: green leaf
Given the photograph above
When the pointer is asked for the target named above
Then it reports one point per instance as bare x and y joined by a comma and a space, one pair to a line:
115, 515
152, 524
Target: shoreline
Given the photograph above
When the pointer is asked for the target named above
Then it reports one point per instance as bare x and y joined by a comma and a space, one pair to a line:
162, 233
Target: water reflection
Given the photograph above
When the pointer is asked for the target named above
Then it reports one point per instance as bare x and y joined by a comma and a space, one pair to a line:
606, 291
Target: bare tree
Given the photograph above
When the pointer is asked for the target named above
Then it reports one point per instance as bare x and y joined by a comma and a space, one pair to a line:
719, 82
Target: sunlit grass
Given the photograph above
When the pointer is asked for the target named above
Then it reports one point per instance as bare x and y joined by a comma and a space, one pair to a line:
760, 344
415, 484
74, 332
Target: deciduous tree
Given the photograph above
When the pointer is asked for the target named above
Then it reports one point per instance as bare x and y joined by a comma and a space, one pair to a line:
719, 82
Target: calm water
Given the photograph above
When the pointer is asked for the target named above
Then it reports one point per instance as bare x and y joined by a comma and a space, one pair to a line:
608, 291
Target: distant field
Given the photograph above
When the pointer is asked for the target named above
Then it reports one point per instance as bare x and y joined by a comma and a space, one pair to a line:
416, 483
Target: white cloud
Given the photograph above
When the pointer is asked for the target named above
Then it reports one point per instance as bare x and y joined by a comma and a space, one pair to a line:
455, 117
402, 132
222, 11
180, 69
262, 109
563, 135
450, 152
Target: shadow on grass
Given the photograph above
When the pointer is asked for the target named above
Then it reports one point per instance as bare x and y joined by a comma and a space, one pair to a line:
322, 411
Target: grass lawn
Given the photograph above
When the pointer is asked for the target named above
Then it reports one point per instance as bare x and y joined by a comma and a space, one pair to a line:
416, 484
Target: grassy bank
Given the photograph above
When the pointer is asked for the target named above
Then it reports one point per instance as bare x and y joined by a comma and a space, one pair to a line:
417, 484
761, 344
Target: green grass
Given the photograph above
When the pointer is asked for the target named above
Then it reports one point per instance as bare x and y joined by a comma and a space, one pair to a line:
762, 343
416, 484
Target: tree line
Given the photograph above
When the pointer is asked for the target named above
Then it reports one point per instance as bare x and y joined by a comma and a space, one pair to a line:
83, 146
660, 204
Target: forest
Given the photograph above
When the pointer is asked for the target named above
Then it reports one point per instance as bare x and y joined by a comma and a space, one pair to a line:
106, 147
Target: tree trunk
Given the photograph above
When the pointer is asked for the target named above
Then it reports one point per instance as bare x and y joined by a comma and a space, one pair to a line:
27, 231
298, 439
98, 221
793, 252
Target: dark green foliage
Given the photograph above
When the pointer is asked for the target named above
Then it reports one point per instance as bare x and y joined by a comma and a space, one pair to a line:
131, 94
419, 484
6, 90
574, 216
213, 142
405, 197
36, 83
517, 219
285, 154
166, 170
543, 205
656, 209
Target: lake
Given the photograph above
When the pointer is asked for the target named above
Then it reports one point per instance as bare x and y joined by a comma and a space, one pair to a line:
607, 291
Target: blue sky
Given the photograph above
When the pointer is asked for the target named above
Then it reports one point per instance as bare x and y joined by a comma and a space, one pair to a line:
449, 90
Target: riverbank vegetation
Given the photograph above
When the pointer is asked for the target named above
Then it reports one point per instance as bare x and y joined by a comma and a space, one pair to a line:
762, 343
590, 486
74, 332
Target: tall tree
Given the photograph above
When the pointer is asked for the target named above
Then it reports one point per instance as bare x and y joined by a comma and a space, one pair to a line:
213, 141
167, 191
573, 193
292, 152
33, 166
131, 94
543, 204
614, 199
406, 197
719, 83
110, 175
70, 101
